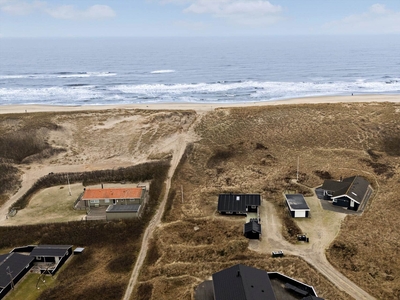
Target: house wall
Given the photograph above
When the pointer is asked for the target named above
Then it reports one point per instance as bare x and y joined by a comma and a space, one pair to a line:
252, 235
301, 213
342, 201
62, 261
103, 202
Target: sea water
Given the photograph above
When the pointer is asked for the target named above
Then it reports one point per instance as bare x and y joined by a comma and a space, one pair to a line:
97, 71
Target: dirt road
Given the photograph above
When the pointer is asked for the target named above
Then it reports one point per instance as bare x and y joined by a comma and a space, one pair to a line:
313, 252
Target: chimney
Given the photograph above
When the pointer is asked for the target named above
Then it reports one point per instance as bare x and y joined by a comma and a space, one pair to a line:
341, 179
238, 273
101, 185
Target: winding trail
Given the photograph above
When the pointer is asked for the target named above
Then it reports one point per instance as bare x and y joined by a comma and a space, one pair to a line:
178, 152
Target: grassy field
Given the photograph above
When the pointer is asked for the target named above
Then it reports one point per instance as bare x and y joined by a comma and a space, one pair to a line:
27, 289
50, 205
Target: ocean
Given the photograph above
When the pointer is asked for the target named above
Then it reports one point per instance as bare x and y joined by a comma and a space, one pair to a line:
106, 71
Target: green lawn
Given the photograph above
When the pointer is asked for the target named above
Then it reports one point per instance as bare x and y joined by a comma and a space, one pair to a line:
26, 288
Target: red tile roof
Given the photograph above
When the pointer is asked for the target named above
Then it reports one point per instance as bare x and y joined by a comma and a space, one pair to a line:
112, 193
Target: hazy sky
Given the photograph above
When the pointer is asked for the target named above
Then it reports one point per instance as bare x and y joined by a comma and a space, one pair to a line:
64, 18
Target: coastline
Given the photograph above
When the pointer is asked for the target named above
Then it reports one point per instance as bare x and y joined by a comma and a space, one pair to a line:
200, 107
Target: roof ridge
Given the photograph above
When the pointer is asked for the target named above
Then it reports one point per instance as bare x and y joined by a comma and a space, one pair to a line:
351, 184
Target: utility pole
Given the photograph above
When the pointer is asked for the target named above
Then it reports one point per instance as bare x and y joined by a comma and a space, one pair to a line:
10, 273
69, 186
297, 177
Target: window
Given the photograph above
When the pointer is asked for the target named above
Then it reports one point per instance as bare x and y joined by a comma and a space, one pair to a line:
106, 200
94, 201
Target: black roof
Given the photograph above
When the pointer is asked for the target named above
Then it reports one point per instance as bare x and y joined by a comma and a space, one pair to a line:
123, 208
242, 283
354, 187
237, 202
50, 250
16, 263
252, 226
296, 201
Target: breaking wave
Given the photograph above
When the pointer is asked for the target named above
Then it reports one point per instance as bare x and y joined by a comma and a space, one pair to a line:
162, 71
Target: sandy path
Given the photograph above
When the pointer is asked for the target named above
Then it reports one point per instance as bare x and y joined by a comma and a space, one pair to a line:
179, 150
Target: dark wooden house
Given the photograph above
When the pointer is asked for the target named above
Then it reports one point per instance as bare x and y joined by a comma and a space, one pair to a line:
252, 229
238, 204
350, 192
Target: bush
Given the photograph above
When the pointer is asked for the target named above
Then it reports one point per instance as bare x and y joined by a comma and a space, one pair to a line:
9, 178
19, 145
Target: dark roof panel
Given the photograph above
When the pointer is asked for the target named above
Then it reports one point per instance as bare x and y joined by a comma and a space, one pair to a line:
50, 250
123, 208
334, 185
252, 226
16, 263
358, 189
237, 202
242, 283
296, 201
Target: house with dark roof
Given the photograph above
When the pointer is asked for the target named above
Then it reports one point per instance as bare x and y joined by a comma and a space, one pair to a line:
13, 266
297, 205
238, 204
350, 192
47, 258
241, 282
252, 229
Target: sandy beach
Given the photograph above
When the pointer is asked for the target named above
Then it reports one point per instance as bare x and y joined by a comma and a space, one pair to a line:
11, 109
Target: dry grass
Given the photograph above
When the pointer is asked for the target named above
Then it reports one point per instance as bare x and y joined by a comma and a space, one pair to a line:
242, 150
255, 150
50, 205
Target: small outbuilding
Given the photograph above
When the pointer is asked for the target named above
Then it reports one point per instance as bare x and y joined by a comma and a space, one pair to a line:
115, 212
349, 192
297, 205
252, 229
238, 204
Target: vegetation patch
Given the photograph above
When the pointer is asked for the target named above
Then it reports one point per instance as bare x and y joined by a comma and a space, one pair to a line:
379, 168
9, 179
219, 156
323, 174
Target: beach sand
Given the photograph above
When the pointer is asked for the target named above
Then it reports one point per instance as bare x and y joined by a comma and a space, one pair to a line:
11, 109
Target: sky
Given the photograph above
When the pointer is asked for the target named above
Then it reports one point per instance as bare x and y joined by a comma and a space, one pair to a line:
166, 18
